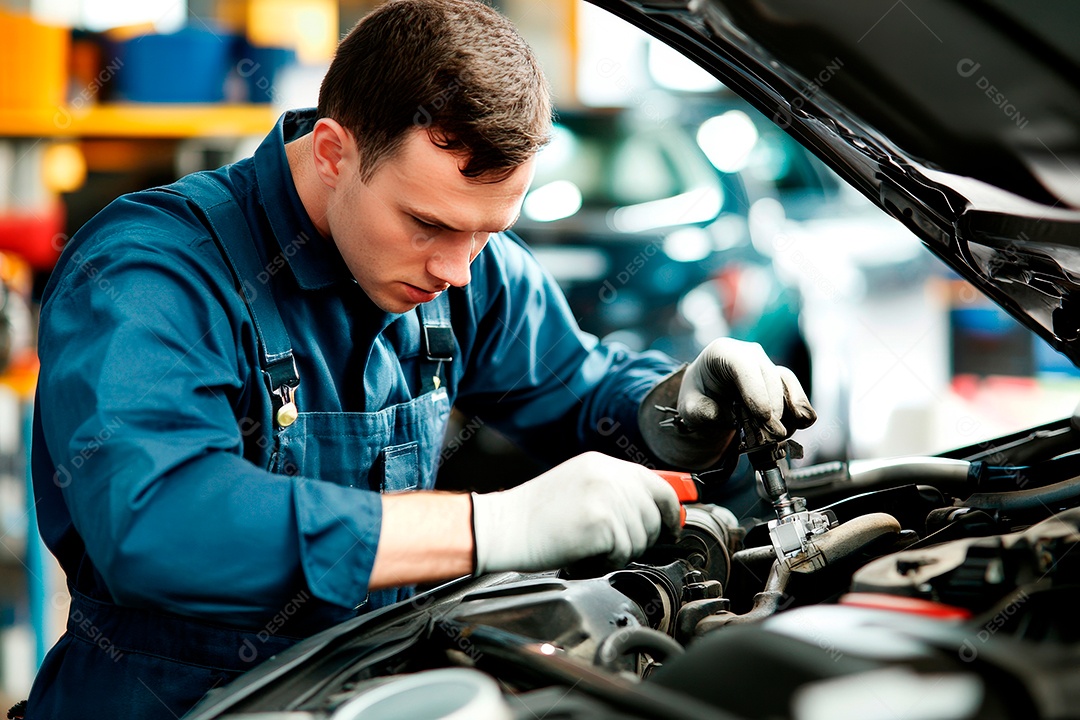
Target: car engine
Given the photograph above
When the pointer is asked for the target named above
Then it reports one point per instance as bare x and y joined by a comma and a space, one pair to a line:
913, 587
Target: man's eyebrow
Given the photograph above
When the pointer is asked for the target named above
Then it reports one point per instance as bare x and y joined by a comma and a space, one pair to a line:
431, 220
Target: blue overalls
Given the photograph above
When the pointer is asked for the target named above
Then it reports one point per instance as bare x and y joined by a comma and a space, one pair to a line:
162, 664
198, 536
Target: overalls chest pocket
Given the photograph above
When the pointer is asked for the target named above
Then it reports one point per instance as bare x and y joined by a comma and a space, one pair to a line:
392, 450
401, 467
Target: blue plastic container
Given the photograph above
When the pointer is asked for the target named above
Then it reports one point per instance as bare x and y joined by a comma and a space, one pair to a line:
188, 66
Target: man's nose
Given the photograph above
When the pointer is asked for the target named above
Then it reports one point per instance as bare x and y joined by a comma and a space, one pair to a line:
453, 254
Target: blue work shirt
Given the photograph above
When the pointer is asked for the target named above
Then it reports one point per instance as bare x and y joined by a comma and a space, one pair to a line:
152, 428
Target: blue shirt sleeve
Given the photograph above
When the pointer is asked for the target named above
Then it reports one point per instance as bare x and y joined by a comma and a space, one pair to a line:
141, 371
533, 374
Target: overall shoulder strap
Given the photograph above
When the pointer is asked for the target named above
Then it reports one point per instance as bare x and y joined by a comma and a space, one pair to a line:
437, 337
231, 233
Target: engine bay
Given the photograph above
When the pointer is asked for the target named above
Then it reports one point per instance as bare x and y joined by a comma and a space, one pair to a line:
913, 587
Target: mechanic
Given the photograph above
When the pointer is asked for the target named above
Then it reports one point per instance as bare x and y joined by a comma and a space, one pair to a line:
243, 372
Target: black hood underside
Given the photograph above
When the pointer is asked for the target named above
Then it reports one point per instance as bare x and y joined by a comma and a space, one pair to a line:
960, 118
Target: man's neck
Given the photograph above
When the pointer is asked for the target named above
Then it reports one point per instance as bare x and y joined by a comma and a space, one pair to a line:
308, 185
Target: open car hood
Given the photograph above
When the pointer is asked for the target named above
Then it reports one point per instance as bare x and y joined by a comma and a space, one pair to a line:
960, 119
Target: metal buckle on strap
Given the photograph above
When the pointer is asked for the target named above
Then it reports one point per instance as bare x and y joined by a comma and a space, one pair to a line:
287, 412
283, 379
439, 343
438, 348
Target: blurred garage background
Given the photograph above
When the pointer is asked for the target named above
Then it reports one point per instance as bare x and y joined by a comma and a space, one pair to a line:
669, 210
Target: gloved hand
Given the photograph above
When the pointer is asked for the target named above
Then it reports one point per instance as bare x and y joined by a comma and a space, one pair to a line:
591, 505
705, 394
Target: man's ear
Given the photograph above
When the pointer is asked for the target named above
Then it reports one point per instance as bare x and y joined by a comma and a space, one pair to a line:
334, 150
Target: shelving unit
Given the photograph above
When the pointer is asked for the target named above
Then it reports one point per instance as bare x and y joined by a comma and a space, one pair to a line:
58, 128
25, 134
132, 120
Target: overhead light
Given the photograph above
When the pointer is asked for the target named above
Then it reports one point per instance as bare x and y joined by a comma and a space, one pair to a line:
572, 263
63, 167
688, 244
165, 15
559, 151
674, 71
728, 140
554, 201
767, 222
698, 205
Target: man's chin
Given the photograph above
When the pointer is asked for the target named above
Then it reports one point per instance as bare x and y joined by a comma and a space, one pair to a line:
395, 307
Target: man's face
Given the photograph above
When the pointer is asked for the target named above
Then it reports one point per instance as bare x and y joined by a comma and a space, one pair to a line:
414, 228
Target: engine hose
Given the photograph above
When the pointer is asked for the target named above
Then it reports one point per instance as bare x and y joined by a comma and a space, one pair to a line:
766, 603
890, 472
1045, 498
755, 555
637, 639
925, 470
1007, 478
843, 540
826, 548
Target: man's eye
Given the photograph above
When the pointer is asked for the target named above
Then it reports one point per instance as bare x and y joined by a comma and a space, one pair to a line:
426, 225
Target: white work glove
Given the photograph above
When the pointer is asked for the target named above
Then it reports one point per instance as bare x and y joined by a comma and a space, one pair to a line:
726, 373
591, 505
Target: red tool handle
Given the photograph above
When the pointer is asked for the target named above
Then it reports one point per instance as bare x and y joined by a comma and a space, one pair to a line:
685, 487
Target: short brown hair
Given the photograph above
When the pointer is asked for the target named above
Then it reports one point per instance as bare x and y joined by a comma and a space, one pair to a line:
456, 67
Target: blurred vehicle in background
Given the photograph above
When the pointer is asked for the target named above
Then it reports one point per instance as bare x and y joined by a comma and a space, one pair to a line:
650, 241
649, 238
866, 280
666, 233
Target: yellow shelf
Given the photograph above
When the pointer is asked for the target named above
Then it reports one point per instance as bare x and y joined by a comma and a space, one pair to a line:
131, 120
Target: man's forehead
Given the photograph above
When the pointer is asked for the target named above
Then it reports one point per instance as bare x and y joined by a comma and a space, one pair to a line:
420, 153
429, 183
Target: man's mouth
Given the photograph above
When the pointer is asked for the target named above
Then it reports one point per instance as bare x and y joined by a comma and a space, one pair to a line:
420, 294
